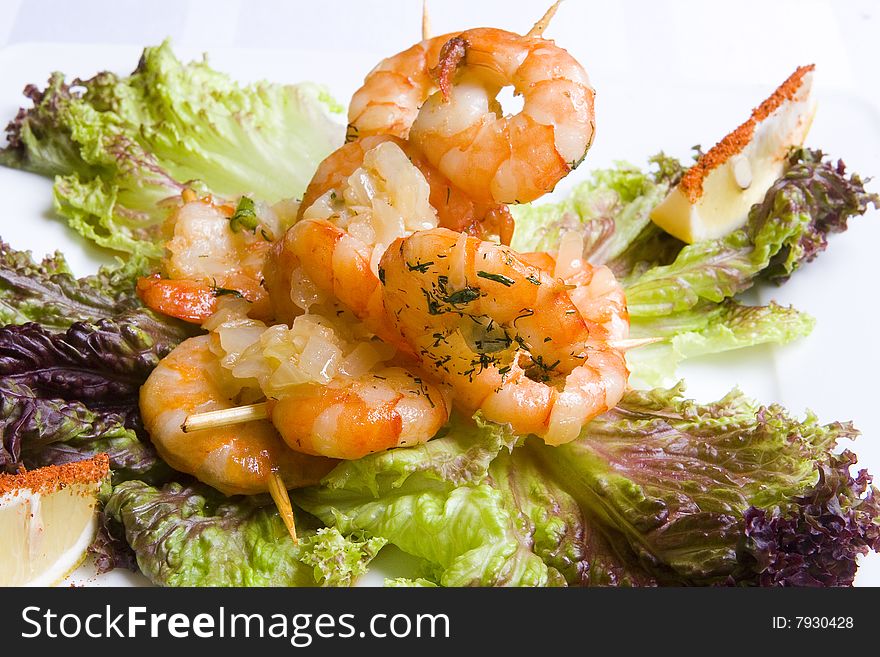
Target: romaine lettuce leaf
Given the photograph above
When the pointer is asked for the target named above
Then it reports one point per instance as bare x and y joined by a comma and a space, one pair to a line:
659, 490
118, 146
194, 536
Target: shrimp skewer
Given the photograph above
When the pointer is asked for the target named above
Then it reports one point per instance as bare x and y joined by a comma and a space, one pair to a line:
441, 95
504, 334
455, 210
330, 390
234, 461
506, 159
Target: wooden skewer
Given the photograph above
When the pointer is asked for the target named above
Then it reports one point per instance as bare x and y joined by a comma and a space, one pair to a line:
225, 417
539, 27
252, 412
426, 22
240, 415
278, 491
632, 343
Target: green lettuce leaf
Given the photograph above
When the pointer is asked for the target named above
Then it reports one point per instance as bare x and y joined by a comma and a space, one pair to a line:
119, 146
714, 329
659, 490
683, 292
611, 209
788, 228
193, 536
403, 582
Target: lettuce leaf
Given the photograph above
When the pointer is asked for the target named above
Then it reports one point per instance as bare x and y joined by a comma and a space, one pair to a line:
66, 396
47, 293
786, 230
684, 292
118, 146
714, 329
659, 490
194, 536
611, 209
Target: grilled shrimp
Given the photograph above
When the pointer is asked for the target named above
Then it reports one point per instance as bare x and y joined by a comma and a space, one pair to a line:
455, 210
332, 253
332, 390
393, 92
505, 159
207, 257
507, 335
351, 417
235, 459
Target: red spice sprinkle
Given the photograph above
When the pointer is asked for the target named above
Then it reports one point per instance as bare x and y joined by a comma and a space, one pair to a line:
53, 478
692, 182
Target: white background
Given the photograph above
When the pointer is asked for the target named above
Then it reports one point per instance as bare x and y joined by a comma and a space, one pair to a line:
669, 75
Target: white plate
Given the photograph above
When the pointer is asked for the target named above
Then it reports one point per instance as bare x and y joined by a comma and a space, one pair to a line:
831, 372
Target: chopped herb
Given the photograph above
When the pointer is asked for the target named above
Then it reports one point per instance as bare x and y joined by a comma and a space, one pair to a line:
463, 296
245, 216
525, 312
534, 280
420, 267
225, 291
433, 305
498, 278
382, 276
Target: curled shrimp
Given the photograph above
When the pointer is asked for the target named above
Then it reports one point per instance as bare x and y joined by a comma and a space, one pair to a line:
351, 417
505, 334
234, 459
332, 390
207, 257
332, 253
455, 209
389, 100
506, 159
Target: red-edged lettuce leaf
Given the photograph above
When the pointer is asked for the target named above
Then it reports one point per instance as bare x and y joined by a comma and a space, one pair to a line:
789, 228
194, 536
47, 293
64, 396
659, 490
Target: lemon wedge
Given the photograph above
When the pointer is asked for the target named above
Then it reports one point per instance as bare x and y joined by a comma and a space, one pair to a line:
714, 196
48, 520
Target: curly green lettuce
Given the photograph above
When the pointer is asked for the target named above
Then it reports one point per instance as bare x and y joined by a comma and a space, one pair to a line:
194, 536
46, 292
119, 146
813, 198
684, 292
660, 490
